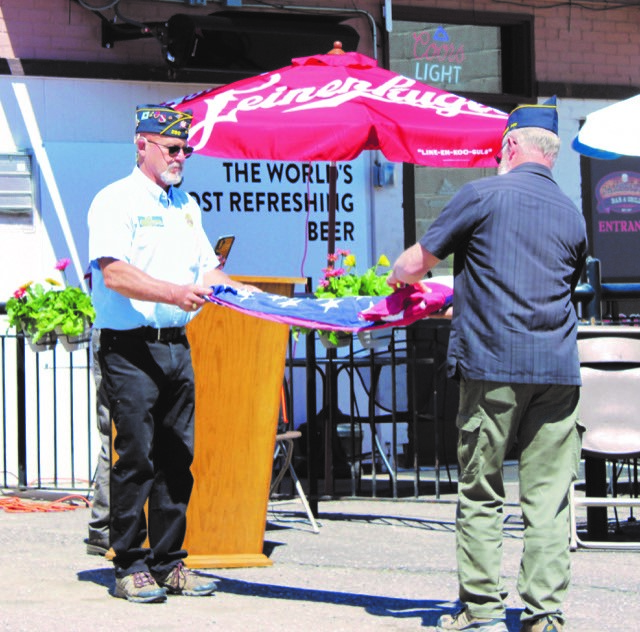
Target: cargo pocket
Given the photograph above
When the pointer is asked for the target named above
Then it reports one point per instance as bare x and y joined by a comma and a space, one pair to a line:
468, 422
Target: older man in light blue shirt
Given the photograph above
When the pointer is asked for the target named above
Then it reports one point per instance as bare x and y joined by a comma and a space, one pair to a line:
152, 267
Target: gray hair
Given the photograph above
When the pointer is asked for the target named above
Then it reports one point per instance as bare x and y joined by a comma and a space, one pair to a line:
538, 139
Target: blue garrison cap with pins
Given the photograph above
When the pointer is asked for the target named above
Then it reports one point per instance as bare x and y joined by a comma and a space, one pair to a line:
544, 115
163, 120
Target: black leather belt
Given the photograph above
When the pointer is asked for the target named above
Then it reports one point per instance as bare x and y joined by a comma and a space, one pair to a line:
151, 334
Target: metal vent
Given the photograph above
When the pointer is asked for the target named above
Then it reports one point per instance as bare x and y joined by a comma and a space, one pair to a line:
16, 184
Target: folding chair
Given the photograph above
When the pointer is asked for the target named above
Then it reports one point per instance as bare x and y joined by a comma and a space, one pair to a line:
283, 456
609, 410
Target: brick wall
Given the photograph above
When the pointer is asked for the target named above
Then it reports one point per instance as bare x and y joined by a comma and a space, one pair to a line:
573, 44
63, 30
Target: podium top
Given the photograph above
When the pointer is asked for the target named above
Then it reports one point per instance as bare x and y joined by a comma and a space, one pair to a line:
275, 285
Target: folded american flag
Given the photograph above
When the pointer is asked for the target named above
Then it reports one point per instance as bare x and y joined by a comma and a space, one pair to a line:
349, 313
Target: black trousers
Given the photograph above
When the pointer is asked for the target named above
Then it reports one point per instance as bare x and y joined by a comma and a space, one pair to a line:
150, 389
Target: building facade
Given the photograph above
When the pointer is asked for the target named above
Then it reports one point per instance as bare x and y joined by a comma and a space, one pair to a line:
71, 72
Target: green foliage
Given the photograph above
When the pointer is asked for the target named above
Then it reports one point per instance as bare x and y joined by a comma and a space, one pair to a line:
38, 310
67, 310
344, 281
24, 306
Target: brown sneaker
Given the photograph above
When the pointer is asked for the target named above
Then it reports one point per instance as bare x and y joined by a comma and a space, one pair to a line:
183, 581
463, 620
139, 587
543, 624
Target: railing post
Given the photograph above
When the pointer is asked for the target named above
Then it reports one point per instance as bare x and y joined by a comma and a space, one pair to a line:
312, 425
21, 385
593, 309
312, 421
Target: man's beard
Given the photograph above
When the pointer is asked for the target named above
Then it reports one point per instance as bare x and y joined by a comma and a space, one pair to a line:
172, 176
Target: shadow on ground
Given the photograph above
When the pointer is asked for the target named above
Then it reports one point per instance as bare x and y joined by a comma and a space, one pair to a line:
427, 611
283, 519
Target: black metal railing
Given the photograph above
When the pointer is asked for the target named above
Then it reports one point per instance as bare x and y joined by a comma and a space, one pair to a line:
48, 434
597, 302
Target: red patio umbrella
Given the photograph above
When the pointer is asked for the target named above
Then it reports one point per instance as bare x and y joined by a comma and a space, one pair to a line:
331, 108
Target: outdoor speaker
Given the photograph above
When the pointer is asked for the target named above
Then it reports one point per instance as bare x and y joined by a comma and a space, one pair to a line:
252, 42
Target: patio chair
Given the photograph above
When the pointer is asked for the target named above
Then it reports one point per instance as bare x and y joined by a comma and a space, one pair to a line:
283, 461
609, 405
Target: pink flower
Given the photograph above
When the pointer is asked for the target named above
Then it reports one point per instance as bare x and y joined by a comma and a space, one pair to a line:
344, 253
323, 283
19, 293
62, 264
332, 258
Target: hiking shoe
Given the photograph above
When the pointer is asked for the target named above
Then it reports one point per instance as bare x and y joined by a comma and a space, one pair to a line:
139, 587
462, 620
543, 624
183, 581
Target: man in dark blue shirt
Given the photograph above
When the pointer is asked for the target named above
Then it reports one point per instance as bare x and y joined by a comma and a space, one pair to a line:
519, 245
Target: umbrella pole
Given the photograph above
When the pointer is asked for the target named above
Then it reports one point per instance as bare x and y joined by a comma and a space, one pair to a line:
333, 178
331, 373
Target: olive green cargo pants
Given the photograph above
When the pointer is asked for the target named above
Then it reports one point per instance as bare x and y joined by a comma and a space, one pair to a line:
543, 421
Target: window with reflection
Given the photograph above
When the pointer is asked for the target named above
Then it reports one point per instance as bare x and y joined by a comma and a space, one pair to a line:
486, 57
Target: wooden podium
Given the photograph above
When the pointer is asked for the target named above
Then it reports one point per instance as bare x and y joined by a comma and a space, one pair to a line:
238, 362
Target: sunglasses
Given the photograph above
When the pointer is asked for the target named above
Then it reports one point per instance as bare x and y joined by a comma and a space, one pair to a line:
174, 150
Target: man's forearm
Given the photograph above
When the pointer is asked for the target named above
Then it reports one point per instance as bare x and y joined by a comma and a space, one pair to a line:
130, 281
412, 265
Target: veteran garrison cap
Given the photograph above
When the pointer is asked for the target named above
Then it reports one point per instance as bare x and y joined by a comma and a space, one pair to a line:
543, 115
160, 119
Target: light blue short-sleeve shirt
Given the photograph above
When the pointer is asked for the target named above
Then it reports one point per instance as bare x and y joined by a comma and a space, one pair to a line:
136, 221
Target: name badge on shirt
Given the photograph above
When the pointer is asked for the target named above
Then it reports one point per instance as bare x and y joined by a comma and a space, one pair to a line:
152, 221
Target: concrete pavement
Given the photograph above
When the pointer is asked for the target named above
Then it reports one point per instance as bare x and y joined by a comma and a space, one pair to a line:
375, 565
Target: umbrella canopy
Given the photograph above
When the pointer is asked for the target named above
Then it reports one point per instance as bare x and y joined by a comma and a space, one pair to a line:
611, 132
332, 107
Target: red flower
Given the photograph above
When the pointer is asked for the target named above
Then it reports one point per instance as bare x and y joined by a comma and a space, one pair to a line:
332, 272
20, 292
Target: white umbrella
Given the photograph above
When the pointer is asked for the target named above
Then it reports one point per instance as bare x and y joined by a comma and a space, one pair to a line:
611, 132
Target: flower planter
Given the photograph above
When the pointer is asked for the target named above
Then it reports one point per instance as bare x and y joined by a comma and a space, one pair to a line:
375, 338
45, 343
35, 308
344, 339
75, 343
